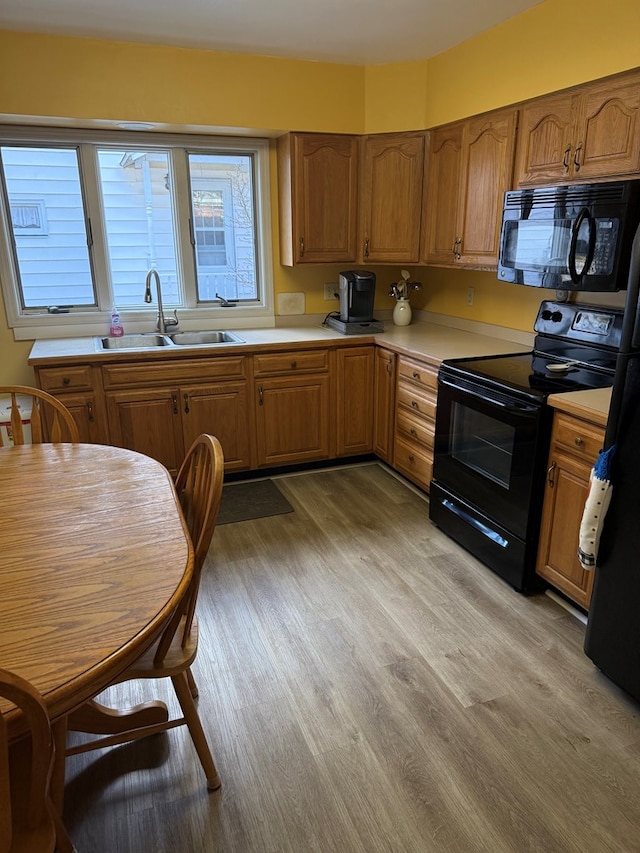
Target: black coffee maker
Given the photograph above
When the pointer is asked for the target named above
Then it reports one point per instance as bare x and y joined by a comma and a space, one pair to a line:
357, 292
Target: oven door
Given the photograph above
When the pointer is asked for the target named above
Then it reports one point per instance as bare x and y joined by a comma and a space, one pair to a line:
490, 450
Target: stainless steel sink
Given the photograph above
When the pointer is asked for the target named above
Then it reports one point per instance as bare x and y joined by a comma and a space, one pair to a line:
200, 338
133, 342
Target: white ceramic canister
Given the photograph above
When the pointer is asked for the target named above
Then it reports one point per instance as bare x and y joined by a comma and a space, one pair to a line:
402, 313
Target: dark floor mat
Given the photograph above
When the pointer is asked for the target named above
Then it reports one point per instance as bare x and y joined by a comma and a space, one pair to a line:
244, 501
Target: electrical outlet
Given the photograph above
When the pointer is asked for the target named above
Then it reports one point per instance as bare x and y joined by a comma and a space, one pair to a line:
331, 291
470, 294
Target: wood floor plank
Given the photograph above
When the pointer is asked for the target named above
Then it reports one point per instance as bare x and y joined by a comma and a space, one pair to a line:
367, 686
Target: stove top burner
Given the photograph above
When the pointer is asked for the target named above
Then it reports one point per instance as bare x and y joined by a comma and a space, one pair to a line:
527, 373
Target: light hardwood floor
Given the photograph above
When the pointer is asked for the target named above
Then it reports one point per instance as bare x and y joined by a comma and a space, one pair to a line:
368, 686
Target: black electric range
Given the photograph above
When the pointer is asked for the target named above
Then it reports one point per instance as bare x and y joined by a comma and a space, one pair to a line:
493, 430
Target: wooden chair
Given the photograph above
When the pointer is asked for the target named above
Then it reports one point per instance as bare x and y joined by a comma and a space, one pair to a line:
50, 419
28, 821
199, 488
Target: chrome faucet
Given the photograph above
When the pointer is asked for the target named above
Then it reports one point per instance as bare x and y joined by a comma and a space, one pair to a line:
163, 323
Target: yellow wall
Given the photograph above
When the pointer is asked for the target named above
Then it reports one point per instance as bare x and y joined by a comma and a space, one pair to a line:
553, 45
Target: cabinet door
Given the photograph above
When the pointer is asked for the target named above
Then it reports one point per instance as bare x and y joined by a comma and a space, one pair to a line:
607, 135
545, 140
292, 416
384, 401
87, 411
221, 410
391, 197
318, 184
442, 191
487, 168
148, 421
565, 496
355, 368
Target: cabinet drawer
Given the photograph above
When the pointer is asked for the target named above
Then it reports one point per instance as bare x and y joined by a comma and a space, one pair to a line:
305, 361
419, 402
582, 439
414, 463
425, 375
415, 429
172, 372
78, 378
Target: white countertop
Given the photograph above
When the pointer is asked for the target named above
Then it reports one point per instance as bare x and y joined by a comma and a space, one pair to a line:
425, 340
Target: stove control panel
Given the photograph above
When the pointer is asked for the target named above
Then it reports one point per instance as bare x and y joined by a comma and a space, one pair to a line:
584, 323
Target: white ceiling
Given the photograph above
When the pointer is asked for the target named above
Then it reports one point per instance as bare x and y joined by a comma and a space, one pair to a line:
357, 32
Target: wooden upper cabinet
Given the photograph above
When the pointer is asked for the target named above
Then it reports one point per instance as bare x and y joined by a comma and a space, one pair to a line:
608, 129
589, 132
392, 170
545, 140
442, 193
469, 169
318, 197
486, 174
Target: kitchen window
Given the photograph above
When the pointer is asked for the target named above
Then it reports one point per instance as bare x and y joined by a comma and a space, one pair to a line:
108, 207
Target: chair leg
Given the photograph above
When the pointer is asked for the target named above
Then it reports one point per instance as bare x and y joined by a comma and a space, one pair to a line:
193, 687
183, 692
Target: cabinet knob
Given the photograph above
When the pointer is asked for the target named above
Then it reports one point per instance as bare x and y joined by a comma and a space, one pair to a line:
294, 364
413, 432
414, 404
66, 380
416, 375
411, 457
578, 441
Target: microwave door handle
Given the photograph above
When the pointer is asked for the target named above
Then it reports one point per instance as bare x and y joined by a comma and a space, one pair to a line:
576, 277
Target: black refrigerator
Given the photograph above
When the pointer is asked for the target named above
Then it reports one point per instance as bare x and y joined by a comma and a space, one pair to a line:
612, 638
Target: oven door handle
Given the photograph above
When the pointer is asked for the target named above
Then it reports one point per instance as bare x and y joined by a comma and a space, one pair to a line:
513, 407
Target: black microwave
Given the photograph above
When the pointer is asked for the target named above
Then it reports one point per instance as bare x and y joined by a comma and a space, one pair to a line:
570, 237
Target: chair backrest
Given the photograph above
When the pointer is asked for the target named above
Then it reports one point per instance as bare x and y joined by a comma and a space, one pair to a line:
199, 488
50, 419
29, 810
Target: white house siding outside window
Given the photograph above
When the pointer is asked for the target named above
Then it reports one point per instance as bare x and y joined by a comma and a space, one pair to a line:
82, 223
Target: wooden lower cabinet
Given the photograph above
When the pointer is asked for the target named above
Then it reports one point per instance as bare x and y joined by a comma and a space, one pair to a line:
292, 418
575, 445
149, 421
354, 380
416, 395
79, 388
163, 422
384, 394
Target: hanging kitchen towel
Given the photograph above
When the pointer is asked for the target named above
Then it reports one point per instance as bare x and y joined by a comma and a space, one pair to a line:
595, 509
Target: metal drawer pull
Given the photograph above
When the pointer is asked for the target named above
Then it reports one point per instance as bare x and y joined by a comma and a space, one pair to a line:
302, 247
90, 412
260, 396
174, 400
479, 526
565, 159
185, 397
550, 471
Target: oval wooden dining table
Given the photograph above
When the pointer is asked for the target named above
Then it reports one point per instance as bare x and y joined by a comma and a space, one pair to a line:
94, 557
